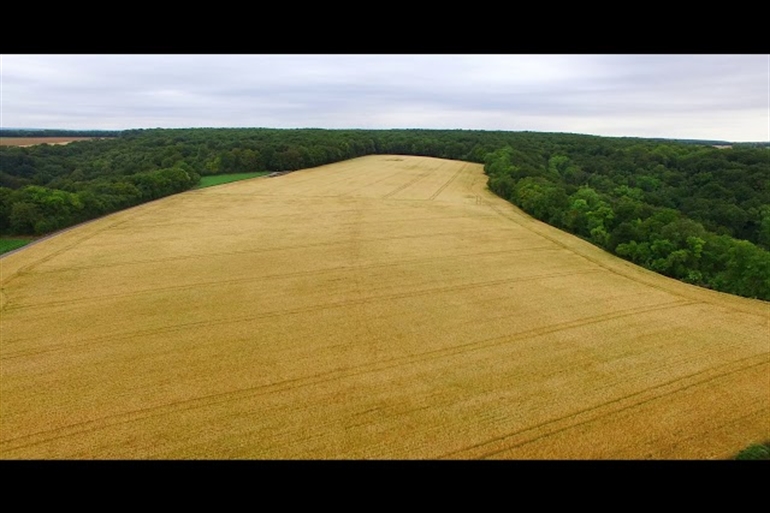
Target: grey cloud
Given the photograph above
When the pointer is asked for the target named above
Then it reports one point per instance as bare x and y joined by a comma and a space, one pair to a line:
606, 94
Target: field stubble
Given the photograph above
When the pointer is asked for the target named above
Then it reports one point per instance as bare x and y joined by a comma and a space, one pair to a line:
383, 307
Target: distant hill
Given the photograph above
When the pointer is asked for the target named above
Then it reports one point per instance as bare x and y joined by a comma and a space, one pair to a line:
706, 142
709, 142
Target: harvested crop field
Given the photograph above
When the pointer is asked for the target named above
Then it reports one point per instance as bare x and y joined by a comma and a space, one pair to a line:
33, 141
382, 307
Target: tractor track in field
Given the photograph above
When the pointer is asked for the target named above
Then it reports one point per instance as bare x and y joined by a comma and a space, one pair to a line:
312, 308
256, 279
382, 307
199, 402
624, 403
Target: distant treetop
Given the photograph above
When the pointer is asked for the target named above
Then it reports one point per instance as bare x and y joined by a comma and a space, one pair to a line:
46, 132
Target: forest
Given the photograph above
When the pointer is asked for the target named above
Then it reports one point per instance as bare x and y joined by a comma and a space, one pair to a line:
690, 211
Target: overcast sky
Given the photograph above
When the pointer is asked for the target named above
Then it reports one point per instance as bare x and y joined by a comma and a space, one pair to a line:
722, 97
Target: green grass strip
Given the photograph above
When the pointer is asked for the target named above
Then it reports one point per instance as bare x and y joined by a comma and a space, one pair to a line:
7, 245
208, 181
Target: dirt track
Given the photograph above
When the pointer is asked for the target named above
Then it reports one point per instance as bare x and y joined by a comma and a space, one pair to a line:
384, 307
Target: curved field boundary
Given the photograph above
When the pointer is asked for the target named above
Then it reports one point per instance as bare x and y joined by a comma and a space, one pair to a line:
384, 307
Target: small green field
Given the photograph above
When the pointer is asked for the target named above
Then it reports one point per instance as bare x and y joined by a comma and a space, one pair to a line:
208, 181
7, 245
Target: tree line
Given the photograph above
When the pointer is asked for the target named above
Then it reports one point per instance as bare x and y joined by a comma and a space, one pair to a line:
52, 132
690, 211
700, 215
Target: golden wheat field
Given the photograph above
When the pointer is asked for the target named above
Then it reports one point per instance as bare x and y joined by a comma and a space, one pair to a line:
383, 307
33, 141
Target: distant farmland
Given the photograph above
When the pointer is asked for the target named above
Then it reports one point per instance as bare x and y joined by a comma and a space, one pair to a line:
32, 141
381, 307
